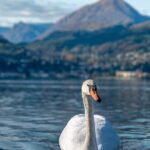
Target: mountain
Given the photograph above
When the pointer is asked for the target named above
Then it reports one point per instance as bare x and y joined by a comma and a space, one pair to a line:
78, 54
15, 60
3, 40
3, 29
103, 14
10, 52
23, 32
101, 51
89, 49
143, 25
18, 62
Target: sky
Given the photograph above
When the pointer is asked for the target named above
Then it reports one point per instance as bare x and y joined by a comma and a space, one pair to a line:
30, 11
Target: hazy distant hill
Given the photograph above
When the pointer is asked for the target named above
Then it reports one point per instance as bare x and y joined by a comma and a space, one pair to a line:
16, 61
117, 48
23, 32
12, 59
103, 14
3, 40
64, 54
143, 25
3, 30
11, 53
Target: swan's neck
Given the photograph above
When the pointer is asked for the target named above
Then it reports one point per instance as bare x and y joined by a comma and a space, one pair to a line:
90, 140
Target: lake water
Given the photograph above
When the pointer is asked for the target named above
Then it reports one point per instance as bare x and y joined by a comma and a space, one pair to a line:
33, 113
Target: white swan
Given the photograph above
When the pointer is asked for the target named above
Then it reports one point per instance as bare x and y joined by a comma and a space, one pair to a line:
88, 132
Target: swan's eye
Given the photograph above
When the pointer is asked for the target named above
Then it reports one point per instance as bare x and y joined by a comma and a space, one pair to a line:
92, 88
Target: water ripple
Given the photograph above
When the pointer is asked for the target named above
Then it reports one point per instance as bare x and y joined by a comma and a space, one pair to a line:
33, 113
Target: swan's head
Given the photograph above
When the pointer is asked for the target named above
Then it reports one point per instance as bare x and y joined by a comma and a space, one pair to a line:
89, 88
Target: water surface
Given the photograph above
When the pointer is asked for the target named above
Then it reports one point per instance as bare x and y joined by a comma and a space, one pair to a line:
33, 113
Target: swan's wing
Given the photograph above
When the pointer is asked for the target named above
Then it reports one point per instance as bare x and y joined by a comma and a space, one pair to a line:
106, 136
73, 135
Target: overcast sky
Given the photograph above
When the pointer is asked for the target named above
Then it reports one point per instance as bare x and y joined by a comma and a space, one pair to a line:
12, 11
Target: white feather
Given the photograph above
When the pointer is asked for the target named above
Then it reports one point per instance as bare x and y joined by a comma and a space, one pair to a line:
73, 135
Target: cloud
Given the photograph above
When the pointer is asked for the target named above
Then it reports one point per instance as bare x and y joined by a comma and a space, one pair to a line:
12, 11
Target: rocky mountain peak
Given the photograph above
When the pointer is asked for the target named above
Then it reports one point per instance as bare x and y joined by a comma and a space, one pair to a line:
102, 14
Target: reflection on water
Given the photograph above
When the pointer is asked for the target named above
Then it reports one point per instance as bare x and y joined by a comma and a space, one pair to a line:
33, 113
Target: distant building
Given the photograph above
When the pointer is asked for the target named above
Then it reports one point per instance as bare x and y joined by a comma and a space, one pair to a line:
131, 74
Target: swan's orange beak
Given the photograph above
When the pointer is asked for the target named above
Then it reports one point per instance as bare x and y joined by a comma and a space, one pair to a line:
95, 95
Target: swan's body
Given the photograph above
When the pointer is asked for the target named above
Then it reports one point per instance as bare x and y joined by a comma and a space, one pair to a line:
75, 131
88, 132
